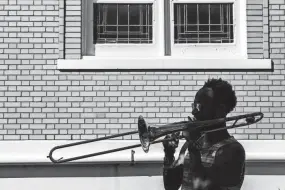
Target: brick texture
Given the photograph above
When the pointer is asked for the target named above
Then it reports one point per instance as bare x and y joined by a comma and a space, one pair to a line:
257, 35
39, 102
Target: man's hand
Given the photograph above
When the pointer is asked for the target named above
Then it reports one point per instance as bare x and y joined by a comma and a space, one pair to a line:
171, 145
194, 135
193, 150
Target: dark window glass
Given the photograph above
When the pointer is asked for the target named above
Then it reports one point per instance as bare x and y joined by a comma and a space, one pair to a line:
203, 23
123, 23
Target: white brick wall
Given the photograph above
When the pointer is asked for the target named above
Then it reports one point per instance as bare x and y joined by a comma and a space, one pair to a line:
39, 102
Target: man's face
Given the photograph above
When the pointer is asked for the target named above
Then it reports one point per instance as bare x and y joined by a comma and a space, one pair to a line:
203, 107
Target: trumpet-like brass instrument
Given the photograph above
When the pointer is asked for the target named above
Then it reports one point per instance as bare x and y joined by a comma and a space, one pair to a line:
148, 134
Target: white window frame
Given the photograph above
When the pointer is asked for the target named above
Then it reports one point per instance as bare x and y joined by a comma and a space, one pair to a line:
180, 57
238, 49
156, 48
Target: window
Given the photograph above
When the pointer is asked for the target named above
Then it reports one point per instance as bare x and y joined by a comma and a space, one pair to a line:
123, 28
203, 23
155, 28
123, 23
164, 34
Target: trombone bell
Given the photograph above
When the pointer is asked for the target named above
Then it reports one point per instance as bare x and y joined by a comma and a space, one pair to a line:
144, 134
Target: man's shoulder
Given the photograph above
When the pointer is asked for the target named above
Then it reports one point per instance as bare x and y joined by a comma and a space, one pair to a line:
231, 149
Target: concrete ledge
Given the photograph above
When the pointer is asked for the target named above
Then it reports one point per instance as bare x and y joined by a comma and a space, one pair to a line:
252, 182
28, 159
163, 64
33, 151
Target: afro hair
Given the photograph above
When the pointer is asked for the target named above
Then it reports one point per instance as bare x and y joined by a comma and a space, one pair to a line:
223, 93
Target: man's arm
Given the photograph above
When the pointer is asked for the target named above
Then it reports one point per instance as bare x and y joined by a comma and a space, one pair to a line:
173, 170
226, 170
172, 174
172, 177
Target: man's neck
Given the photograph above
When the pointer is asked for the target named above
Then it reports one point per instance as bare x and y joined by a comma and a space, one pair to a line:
217, 136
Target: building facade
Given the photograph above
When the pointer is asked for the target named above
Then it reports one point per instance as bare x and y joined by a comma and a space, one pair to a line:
56, 84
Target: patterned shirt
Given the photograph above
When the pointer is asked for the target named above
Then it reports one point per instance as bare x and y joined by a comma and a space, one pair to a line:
223, 162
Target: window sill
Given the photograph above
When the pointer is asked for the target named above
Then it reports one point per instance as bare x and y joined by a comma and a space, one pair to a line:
163, 64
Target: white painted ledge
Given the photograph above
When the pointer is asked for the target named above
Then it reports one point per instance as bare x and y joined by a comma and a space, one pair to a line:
162, 63
34, 151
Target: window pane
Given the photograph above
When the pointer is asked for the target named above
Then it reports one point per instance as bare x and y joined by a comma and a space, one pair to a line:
122, 23
216, 17
203, 10
135, 14
203, 23
109, 14
123, 13
191, 12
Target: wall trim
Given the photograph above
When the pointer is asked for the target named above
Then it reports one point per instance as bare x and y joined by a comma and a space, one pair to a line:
36, 151
116, 170
28, 159
163, 63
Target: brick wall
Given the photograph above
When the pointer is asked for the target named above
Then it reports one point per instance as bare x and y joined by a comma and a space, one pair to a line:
39, 102
257, 29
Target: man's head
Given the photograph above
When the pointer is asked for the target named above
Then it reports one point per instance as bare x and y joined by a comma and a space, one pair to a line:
214, 100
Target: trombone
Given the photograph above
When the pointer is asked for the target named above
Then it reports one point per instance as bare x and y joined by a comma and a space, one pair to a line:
148, 134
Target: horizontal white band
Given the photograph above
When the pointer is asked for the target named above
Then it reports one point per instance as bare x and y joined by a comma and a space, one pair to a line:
34, 151
162, 63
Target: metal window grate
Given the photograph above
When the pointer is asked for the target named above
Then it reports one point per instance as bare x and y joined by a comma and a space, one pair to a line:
203, 23
123, 23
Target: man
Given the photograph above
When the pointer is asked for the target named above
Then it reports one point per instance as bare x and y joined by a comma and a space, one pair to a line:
214, 161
